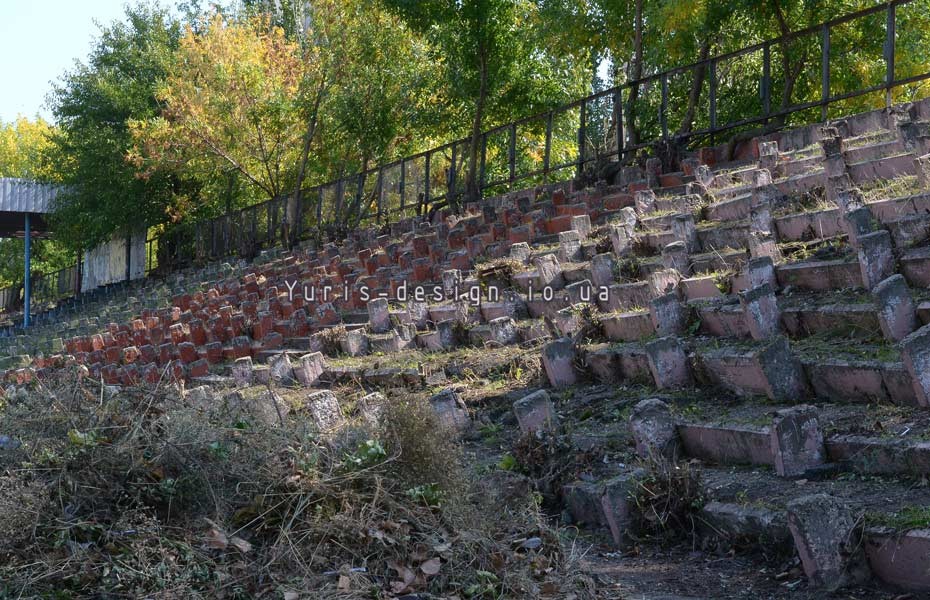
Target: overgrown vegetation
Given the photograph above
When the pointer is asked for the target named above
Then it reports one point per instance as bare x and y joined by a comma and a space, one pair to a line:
146, 493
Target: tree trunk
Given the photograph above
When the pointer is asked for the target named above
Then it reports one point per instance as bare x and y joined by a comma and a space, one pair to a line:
636, 73
293, 202
791, 69
472, 185
700, 74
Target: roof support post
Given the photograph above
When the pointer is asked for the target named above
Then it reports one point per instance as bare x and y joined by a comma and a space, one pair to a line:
27, 284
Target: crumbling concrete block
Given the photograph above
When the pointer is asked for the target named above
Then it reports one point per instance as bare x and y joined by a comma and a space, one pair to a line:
915, 353
582, 500
450, 410
685, 230
503, 331
645, 202
379, 316
761, 271
548, 272
784, 376
768, 156
520, 251
825, 534
324, 410
621, 239
876, 258
668, 314
654, 430
797, 442
923, 170
242, 371
570, 246
355, 342
675, 256
452, 278
559, 361
602, 270
760, 311
857, 222
281, 369
897, 314
617, 507
310, 368
668, 363
536, 413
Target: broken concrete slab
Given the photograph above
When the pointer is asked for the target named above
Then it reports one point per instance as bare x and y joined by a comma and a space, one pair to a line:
825, 534
559, 361
536, 413
797, 442
897, 315
654, 430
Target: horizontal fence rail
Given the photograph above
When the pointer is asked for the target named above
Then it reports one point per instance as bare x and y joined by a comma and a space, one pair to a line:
738, 90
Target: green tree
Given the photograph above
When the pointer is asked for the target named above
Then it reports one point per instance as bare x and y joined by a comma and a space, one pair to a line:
495, 64
93, 105
23, 145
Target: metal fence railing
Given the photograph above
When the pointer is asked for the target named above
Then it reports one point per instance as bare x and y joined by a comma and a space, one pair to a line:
737, 90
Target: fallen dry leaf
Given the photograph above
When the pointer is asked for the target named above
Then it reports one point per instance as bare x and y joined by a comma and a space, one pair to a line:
240, 544
431, 567
344, 583
215, 537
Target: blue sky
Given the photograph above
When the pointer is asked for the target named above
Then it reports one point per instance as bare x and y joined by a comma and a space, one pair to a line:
40, 40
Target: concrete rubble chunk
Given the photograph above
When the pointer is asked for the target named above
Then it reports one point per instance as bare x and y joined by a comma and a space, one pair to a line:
783, 373
645, 202
281, 369
536, 413
668, 314
668, 363
451, 279
876, 258
761, 271
324, 410
675, 256
621, 239
371, 408
654, 430
200, 396
760, 310
310, 368
617, 507
548, 272
922, 163
450, 410
915, 353
355, 342
242, 371
825, 534
897, 314
602, 269
520, 251
797, 442
379, 317
582, 500
570, 246
685, 230
559, 362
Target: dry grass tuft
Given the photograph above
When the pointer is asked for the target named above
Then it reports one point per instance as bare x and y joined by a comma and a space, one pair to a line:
142, 493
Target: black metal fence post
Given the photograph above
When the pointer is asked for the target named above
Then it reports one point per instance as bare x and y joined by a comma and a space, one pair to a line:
663, 108
512, 154
890, 22
582, 125
824, 71
766, 81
